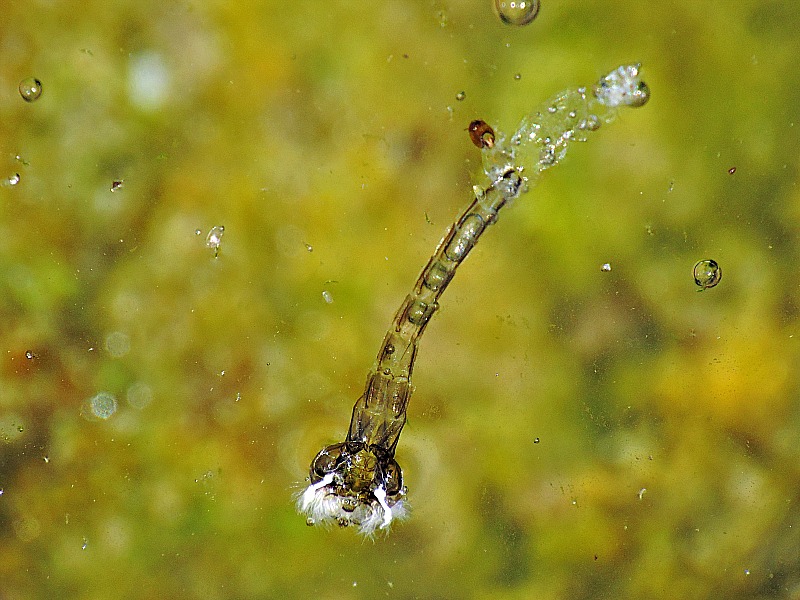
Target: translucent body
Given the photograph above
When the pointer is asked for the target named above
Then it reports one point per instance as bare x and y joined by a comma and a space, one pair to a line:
358, 482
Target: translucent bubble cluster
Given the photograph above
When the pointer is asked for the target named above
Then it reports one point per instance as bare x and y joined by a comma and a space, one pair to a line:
517, 12
623, 87
30, 89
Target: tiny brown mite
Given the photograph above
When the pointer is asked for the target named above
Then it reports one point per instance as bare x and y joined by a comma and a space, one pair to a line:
481, 134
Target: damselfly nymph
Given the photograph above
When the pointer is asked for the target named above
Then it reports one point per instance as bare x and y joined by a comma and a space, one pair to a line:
358, 482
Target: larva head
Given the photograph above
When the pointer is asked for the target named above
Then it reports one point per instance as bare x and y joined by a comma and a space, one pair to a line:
352, 484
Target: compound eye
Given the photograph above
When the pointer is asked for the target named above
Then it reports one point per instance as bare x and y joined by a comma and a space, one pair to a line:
327, 460
393, 479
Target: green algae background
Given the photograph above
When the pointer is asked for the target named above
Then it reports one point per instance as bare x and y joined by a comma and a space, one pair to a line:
574, 433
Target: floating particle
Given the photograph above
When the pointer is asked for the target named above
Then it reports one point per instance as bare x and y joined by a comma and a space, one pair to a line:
11, 180
99, 407
214, 239
117, 185
707, 273
309, 247
516, 12
30, 354
536, 440
641, 493
481, 134
84, 544
327, 296
11, 428
30, 89
605, 267
732, 170
461, 96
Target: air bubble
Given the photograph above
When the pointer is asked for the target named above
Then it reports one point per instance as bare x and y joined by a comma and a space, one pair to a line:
99, 407
461, 96
214, 239
707, 274
516, 12
30, 89
30, 354
139, 395
118, 344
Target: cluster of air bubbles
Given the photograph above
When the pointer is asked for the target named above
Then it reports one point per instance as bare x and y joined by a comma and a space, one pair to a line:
605, 267
214, 239
30, 89
622, 87
99, 407
117, 185
516, 12
707, 274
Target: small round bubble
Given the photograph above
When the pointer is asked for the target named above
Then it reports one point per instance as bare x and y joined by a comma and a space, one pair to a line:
516, 12
139, 395
118, 344
30, 89
707, 274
